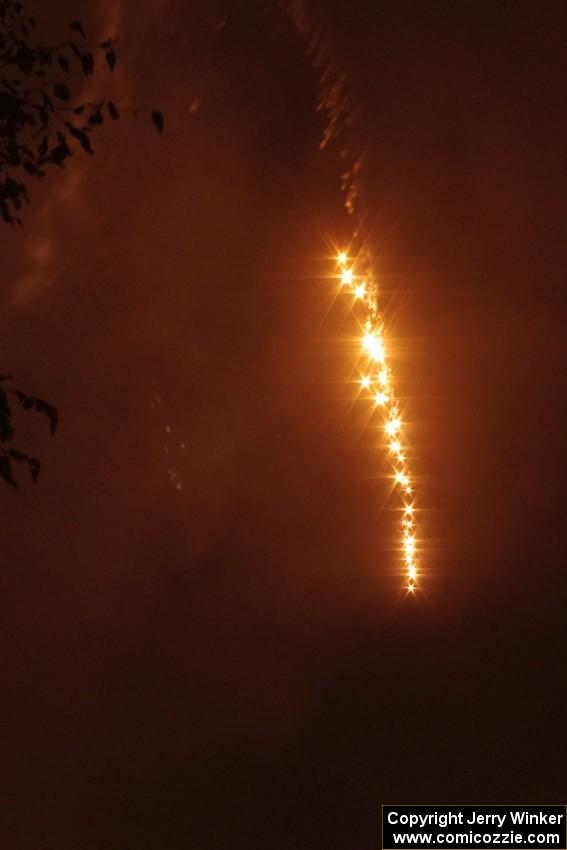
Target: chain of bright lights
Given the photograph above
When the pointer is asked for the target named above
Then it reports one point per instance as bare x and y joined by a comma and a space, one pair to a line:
356, 279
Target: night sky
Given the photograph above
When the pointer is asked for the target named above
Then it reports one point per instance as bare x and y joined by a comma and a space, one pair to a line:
206, 642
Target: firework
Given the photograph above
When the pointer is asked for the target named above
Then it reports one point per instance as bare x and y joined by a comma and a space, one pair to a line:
356, 278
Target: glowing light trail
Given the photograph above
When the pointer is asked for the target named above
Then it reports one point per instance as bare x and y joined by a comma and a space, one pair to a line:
355, 276
376, 385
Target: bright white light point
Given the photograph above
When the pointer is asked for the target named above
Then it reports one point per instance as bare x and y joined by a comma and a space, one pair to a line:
411, 588
346, 277
381, 398
409, 510
393, 426
342, 258
372, 343
360, 290
383, 377
395, 446
365, 382
402, 479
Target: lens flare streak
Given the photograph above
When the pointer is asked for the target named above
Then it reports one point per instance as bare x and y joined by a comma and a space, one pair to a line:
375, 383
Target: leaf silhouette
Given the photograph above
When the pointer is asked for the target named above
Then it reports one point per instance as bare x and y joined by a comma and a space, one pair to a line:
77, 26
110, 57
61, 91
95, 117
82, 138
6, 430
87, 61
157, 118
112, 111
31, 110
41, 406
6, 471
32, 462
60, 153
